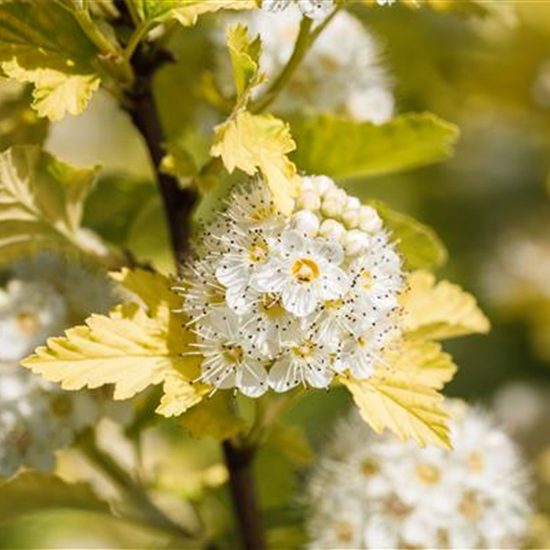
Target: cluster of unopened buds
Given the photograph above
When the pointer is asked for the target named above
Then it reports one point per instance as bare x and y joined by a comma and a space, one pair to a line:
279, 301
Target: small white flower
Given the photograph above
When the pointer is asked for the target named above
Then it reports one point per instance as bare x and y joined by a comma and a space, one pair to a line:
406, 497
246, 252
30, 312
305, 272
306, 361
230, 361
314, 9
341, 73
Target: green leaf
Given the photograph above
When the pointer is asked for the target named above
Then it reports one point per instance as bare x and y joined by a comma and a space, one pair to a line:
19, 123
214, 417
47, 48
186, 11
342, 148
419, 244
32, 492
41, 202
245, 59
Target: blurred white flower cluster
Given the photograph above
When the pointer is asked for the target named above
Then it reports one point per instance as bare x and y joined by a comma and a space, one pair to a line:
341, 72
314, 9
39, 299
278, 302
372, 493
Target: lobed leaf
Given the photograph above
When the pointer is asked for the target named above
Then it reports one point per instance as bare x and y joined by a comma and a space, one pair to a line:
31, 492
132, 348
392, 399
440, 310
260, 143
342, 148
47, 48
41, 202
186, 11
245, 59
418, 243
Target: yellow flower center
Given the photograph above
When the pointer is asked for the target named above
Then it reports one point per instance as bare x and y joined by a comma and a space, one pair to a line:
428, 474
369, 468
469, 506
262, 213
305, 270
271, 306
304, 350
475, 463
27, 322
365, 280
258, 251
344, 531
233, 353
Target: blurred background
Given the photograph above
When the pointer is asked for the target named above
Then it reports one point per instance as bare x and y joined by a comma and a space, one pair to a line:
484, 68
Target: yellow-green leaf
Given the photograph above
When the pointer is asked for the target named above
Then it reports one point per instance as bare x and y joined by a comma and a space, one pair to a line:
214, 417
47, 48
343, 148
32, 492
419, 244
440, 310
392, 399
424, 363
41, 202
245, 59
186, 11
134, 347
260, 143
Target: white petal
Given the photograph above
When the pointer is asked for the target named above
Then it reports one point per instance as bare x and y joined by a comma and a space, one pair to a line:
300, 299
335, 283
293, 242
332, 251
319, 378
252, 379
282, 376
270, 277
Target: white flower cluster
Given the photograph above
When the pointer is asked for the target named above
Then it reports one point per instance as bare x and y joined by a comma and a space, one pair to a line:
370, 492
40, 299
341, 72
314, 9
277, 301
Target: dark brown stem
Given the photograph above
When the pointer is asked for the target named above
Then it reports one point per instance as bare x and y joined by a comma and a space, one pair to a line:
239, 463
179, 202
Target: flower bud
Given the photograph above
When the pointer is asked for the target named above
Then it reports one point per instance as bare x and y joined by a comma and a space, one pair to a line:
355, 242
369, 220
321, 184
309, 200
306, 222
351, 218
331, 229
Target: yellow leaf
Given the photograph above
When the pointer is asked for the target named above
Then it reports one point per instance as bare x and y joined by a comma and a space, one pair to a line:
55, 93
245, 59
187, 11
41, 203
179, 395
255, 143
132, 348
393, 399
423, 362
214, 417
438, 311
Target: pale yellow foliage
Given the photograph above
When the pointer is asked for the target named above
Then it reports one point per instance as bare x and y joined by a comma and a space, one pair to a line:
440, 310
260, 143
132, 348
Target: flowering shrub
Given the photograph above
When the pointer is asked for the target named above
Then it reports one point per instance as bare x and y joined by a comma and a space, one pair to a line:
291, 285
